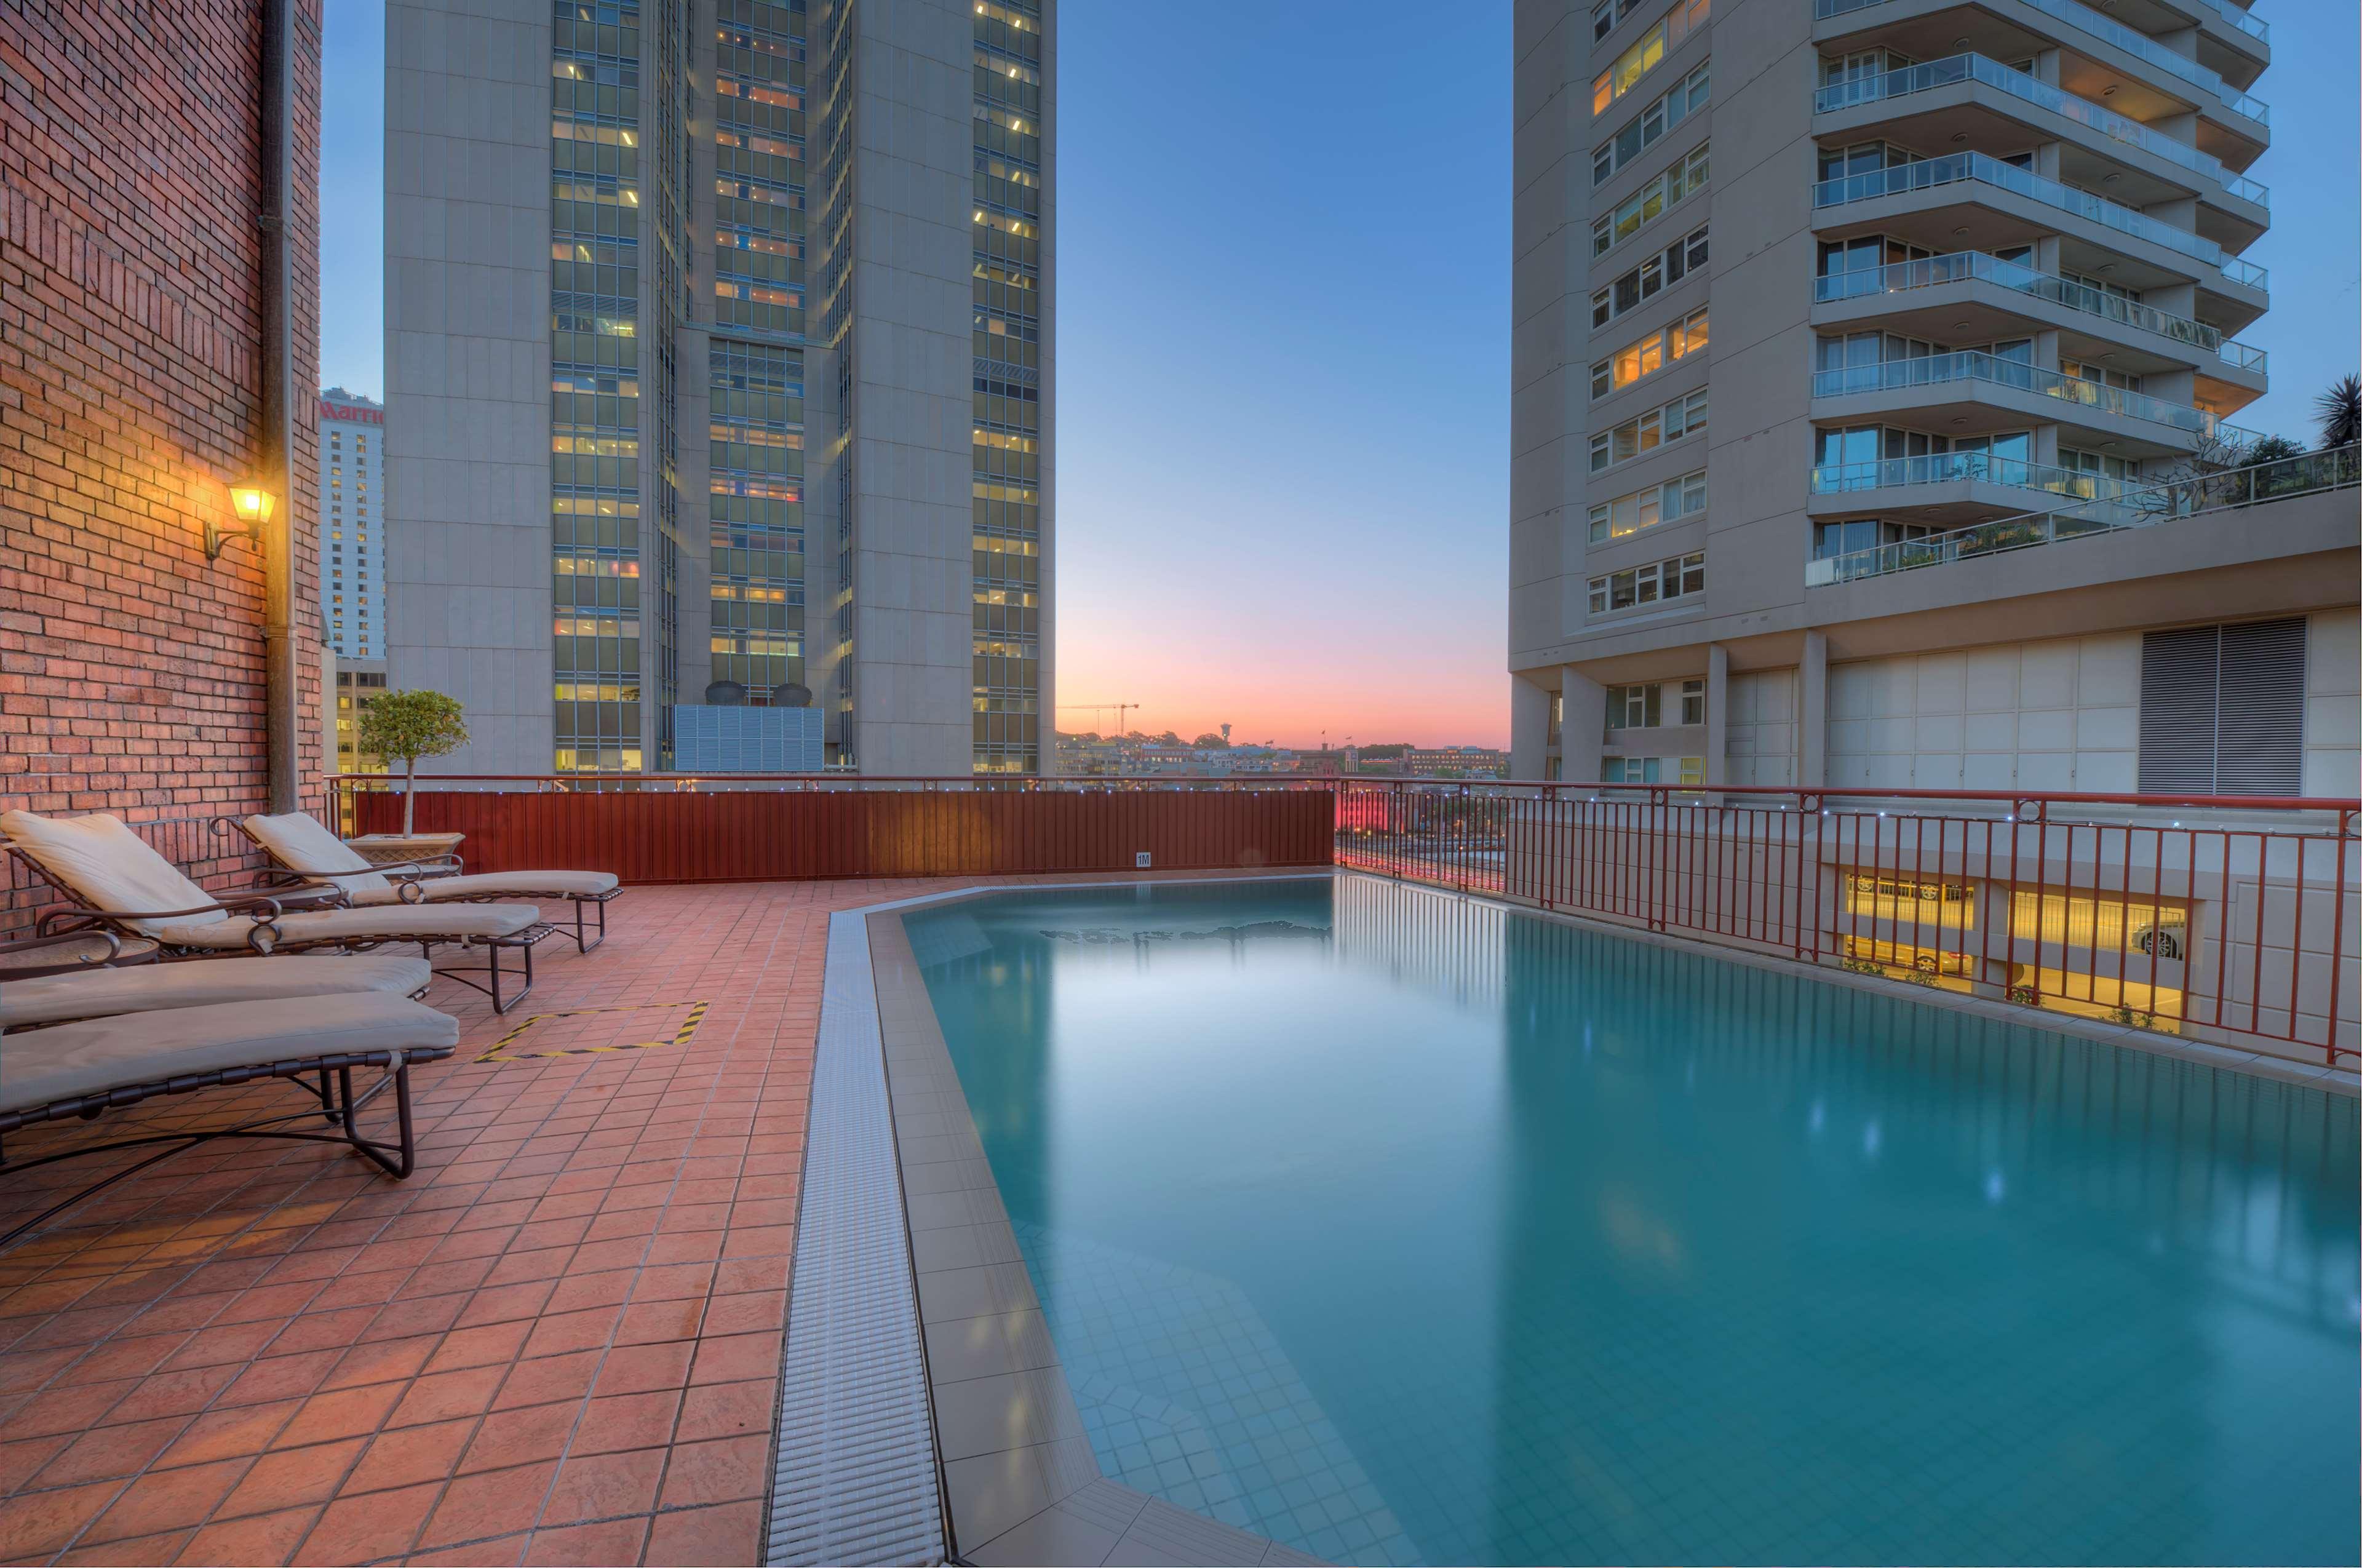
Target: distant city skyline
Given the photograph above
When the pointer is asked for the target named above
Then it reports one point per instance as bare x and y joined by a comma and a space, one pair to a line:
1284, 456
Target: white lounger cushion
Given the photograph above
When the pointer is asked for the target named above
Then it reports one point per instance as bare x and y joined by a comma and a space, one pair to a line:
400, 924
485, 884
70, 1060
297, 841
108, 867
146, 987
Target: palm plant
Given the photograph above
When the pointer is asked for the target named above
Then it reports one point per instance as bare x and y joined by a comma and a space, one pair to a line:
2339, 411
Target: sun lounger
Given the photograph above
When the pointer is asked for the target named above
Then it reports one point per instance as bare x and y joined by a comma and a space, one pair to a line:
309, 852
98, 992
111, 878
84, 1070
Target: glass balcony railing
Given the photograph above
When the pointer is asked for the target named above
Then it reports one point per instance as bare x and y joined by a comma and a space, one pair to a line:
1940, 468
1930, 172
2340, 469
2137, 44
1958, 68
1970, 365
1962, 265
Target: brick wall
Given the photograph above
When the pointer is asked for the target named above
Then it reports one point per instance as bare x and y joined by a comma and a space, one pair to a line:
131, 668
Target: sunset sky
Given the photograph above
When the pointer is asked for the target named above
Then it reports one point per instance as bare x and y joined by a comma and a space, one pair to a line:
1283, 345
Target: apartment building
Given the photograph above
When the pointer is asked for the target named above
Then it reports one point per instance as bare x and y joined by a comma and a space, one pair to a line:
1869, 357
719, 338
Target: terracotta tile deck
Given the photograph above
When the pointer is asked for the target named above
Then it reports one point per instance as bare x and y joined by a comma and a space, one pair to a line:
557, 1342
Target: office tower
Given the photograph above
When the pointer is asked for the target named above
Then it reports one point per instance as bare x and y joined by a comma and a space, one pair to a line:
352, 524
1975, 276
719, 335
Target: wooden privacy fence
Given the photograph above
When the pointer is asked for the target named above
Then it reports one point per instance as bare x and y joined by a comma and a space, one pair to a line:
751, 835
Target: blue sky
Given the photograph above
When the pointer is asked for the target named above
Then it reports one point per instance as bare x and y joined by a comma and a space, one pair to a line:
1282, 343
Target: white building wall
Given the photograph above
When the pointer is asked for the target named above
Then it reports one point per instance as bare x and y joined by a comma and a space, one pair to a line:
2063, 714
1762, 729
2332, 704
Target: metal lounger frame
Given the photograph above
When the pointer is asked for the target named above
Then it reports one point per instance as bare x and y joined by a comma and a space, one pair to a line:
266, 906
409, 874
338, 1104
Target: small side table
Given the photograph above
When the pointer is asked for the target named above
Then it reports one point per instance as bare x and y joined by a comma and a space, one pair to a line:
387, 849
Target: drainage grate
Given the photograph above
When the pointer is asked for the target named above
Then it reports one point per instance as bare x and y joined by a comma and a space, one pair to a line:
856, 1480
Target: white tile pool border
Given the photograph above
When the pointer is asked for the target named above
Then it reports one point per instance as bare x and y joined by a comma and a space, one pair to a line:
859, 1476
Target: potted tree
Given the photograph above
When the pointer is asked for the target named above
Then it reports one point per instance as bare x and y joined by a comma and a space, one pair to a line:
402, 726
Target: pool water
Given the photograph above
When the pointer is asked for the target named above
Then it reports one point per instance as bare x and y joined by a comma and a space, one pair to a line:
1400, 1228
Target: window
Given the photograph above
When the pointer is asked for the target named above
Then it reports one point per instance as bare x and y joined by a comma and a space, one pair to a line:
2082, 371
1638, 360
1693, 770
1647, 432
1692, 702
1863, 534
1608, 13
1633, 707
2101, 285
1666, 502
1683, 179
1650, 278
1648, 127
2124, 470
1864, 157
2221, 709
1680, 577
1648, 53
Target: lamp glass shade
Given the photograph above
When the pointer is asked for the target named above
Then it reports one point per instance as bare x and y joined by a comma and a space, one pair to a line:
253, 503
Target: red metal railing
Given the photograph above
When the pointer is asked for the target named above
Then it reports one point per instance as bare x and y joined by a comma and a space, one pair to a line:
2231, 919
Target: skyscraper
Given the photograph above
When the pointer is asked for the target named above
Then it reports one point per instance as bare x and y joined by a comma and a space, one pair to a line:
352, 524
1975, 275
718, 333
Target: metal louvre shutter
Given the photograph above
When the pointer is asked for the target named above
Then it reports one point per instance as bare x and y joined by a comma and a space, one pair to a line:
2180, 671
2259, 735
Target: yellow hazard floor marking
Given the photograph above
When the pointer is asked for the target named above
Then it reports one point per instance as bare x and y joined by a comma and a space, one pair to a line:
501, 1052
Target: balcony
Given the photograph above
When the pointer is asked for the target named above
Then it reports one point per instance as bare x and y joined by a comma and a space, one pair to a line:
2240, 19
2314, 473
1976, 266
1958, 467
2208, 173
2105, 29
1971, 366
1975, 167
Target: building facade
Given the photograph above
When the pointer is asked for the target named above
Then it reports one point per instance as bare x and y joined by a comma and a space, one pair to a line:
352, 524
720, 335
1871, 359
139, 619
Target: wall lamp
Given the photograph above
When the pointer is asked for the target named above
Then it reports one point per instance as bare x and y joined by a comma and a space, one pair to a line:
253, 505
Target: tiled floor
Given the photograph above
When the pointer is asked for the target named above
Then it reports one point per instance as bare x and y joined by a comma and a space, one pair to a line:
557, 1342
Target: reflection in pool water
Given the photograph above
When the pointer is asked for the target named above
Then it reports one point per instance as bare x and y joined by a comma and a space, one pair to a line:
1457, 1235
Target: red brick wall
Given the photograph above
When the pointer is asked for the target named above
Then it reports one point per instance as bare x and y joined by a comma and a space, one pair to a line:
131, 668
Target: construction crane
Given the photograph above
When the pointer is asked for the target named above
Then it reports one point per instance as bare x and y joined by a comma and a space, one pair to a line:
1118, 709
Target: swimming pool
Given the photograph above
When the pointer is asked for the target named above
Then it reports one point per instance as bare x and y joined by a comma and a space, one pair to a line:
1402, 1228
